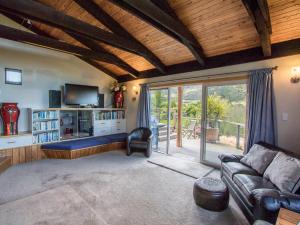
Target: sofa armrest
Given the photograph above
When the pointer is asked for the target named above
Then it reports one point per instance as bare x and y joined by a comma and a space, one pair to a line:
150, 138
269, 201
230, 158
284, 200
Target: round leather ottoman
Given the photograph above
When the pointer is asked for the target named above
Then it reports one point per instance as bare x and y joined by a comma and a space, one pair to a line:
211, 193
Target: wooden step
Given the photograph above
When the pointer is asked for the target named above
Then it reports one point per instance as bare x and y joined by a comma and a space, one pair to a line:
5, 162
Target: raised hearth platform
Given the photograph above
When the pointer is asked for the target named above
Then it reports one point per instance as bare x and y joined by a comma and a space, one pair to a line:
85, 147
78, 153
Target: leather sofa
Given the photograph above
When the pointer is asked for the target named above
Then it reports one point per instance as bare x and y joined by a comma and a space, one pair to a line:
140, 140
258, 198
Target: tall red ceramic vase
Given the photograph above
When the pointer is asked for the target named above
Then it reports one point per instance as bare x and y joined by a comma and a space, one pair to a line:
10, 115
118, 99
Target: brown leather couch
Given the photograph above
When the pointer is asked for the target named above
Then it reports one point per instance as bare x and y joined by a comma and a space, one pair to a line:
258, 198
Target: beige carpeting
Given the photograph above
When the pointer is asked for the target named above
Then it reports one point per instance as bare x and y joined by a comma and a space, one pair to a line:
184, 166
109, 189
61, 205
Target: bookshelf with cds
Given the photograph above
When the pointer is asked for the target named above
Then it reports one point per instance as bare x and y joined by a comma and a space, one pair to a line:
61, 124
45, 126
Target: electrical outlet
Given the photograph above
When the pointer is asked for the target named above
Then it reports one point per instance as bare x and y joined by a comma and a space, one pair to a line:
285, 116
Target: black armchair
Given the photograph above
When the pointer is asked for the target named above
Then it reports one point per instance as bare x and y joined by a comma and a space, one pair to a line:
139, 140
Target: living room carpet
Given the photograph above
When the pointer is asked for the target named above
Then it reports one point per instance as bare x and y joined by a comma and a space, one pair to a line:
187, 167
109, 189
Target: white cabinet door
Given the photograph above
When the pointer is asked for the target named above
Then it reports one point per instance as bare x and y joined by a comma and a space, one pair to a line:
16, 141
118, 126
102, 127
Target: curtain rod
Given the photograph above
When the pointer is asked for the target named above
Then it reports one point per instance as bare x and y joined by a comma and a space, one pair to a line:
209, 76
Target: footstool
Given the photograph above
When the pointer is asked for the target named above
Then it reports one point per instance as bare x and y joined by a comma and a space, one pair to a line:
211, 193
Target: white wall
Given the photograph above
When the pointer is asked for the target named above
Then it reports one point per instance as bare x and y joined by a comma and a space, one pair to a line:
44, 70
287, 96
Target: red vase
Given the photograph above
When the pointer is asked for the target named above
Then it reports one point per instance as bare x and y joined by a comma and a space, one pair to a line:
118, 99
10, 116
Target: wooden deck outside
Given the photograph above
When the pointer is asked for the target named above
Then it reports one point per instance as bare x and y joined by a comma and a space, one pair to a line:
190, 150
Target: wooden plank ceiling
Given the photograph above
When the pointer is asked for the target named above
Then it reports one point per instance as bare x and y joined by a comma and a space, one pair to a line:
220, 27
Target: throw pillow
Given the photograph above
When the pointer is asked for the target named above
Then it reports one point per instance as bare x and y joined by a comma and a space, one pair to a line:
259, 158
284, 172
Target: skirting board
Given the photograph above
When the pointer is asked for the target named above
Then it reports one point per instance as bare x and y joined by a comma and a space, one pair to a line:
78, 153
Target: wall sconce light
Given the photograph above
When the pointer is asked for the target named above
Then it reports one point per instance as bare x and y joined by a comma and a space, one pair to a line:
135, 91
295, 78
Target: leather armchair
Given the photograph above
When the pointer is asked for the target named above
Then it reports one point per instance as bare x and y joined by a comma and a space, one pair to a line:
139, 140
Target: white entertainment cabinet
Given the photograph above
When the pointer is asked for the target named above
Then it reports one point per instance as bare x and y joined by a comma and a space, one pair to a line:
59, 124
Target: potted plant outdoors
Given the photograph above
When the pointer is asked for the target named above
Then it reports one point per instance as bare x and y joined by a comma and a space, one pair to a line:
216, 110
118, 94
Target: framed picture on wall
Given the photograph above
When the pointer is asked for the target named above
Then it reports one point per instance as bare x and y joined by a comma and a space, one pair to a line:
13, 76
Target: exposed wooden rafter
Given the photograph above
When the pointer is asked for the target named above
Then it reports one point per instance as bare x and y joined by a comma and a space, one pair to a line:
42, 13
97, 48
33, 39
85, 41
258, 11
281, 49
99, 67
104, 18
159, 14
49, 43
38, 31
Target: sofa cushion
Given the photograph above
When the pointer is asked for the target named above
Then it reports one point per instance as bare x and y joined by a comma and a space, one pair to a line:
284, 172
77, 144
259, 158
138, 144
232, 168
249, 183
117, 137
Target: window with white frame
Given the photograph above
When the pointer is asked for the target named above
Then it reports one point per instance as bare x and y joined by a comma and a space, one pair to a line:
13, 76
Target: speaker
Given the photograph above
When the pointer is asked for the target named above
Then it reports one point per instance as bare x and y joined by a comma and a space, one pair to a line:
54, 99
100, 100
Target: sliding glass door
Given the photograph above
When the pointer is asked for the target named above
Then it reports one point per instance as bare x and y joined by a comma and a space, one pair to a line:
224, 118
199, 122
160, 125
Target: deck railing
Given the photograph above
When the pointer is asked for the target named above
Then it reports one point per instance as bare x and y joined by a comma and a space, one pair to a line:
226, 128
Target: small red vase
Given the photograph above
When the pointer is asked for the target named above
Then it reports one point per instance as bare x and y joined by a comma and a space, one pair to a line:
118, 99
10, 116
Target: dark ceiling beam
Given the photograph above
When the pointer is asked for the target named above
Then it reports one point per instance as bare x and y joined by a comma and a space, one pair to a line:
104, 18
258, 11
140, 15
49, 43
38, 31
100, 67
45, 14
83, 40
281, 49
97, 48
160, 15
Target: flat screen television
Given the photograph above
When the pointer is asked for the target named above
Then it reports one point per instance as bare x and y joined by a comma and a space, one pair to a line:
81, 94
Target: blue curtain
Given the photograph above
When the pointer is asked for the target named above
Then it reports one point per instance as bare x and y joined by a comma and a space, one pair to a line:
143, 113
261, 110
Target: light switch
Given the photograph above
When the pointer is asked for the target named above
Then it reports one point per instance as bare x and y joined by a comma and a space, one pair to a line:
285, 116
